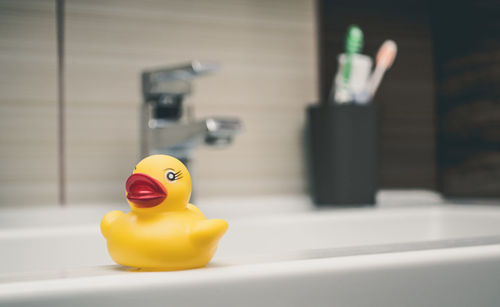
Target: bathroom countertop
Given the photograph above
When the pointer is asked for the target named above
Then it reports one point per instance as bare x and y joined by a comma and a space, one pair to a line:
221, 207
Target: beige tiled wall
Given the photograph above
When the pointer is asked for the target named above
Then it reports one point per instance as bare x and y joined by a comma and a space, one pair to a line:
28, 155
268, 53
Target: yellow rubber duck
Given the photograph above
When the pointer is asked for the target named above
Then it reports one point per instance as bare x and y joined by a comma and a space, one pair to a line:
163, 231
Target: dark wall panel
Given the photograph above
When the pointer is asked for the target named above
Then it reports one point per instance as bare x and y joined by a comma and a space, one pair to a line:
467, 52
406, 95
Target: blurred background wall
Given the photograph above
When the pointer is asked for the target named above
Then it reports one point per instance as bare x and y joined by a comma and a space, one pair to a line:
268, 53
467, 53
277, 57
28, 102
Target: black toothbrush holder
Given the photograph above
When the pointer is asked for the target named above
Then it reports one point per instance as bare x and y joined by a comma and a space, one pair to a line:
342, 153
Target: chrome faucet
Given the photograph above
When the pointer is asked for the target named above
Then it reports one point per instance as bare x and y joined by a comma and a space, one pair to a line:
164, 129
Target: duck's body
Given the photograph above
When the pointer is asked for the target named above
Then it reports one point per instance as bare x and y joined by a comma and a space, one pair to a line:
173, 238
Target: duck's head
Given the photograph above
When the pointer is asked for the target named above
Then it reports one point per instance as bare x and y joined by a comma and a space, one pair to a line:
158, 183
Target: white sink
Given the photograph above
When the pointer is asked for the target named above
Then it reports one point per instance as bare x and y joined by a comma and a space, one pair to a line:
436, 255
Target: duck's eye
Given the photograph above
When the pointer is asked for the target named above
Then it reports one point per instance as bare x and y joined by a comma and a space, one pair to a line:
172, 176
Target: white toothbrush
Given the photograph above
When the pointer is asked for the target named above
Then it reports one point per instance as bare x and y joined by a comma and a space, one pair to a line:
385, 57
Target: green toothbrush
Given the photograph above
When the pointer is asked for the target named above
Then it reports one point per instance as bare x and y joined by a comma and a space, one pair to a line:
353, 45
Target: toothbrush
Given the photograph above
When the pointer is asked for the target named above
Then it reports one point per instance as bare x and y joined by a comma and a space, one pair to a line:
385, 57
353, 45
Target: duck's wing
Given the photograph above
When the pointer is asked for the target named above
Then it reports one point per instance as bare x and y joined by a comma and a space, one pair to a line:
207, 231
107, 220
195, 210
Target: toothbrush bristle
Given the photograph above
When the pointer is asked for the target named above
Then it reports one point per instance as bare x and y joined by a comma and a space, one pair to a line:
387, 53
354, 40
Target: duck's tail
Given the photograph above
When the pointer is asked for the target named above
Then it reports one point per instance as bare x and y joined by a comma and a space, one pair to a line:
107, 220
208, 231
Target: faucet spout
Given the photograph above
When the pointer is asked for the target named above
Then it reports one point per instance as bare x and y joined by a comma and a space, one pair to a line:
172, 137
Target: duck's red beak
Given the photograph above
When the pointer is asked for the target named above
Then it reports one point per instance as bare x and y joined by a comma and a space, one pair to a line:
145, 191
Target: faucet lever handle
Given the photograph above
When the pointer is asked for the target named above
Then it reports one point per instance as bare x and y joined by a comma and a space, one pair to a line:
167, 87
175, 80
